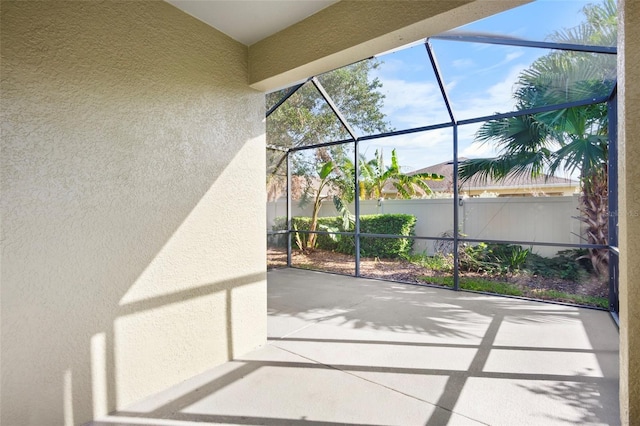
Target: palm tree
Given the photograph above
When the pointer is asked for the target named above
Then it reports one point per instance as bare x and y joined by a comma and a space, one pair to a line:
375, 176
573, 140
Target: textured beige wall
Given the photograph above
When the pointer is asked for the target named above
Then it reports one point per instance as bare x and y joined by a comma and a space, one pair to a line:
629, 193
352, 30
133, 205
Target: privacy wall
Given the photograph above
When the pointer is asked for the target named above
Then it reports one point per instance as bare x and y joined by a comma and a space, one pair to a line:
132, 205
549, 219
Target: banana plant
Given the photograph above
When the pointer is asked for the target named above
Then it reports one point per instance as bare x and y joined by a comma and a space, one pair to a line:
375, 176
337, 178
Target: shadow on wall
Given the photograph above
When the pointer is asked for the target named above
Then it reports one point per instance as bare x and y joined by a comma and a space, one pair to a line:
129, 128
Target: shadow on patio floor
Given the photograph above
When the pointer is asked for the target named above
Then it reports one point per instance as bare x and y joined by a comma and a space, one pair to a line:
343, 350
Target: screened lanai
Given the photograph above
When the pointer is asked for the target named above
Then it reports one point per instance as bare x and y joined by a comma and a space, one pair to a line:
480, 159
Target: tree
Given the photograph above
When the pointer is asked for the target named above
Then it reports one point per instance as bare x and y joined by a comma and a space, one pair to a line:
305, 118
375, 176
570, 139
328, 175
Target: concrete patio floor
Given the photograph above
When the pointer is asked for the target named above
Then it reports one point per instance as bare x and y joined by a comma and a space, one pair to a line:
352, 351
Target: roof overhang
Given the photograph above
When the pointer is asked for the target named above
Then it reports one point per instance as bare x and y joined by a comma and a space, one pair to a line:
292, 41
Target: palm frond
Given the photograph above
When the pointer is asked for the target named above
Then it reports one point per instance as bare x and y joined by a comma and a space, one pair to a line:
521, 165
581, 154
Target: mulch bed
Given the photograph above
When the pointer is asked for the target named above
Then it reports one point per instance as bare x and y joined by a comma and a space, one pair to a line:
404, 271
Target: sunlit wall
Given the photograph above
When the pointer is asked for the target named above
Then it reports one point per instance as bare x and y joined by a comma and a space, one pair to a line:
132, 205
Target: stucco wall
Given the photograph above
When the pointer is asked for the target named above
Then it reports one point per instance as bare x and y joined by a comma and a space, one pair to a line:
629, 207
133, 205
542, 219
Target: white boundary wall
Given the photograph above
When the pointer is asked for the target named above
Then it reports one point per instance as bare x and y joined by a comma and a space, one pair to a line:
544, 219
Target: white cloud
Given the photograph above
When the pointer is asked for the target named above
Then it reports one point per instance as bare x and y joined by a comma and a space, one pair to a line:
410, 104
413, 104
451, 85
401, 94
463, 63
392, 66
496, 98
478, 150
416, 150
513, 55
389, 68
509, 57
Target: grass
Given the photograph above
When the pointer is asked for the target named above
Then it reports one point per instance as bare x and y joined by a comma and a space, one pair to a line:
500, 287
478, 284
579, 299
443, 264
438, 262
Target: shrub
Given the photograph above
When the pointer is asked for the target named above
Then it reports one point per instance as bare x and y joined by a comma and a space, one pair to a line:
493, 258
570, 265
398, 224
278, 240
567, 265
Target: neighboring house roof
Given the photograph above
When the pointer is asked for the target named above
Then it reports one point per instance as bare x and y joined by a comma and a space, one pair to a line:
446, 185
524, 184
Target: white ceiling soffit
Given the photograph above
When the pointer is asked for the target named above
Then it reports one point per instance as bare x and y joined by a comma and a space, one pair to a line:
249, 21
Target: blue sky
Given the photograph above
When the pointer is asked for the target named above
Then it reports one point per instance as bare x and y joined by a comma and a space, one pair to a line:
479, 79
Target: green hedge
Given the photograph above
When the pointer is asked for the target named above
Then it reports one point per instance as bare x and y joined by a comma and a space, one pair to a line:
398, 224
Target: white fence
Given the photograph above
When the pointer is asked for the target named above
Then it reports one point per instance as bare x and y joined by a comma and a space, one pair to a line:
542, 219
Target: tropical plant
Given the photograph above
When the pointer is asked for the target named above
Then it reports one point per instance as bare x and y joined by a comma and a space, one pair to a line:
573, 140
375, 176
328, 173
305, 118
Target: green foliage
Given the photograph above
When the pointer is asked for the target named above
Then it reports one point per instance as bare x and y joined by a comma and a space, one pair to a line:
500, 287
567, 265
323, 241
399, 224
392, 248
579, 299
512, 256
570, 139
599, 28
334, 176
477, 284
493, 258
570, 265
325, 169
306, 118
439, 262
375, 176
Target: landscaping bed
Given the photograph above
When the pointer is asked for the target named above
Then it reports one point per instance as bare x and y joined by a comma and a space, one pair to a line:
584, 289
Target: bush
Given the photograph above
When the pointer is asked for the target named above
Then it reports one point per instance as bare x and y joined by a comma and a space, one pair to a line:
570, 265
567, 265
493, 258
398, 224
